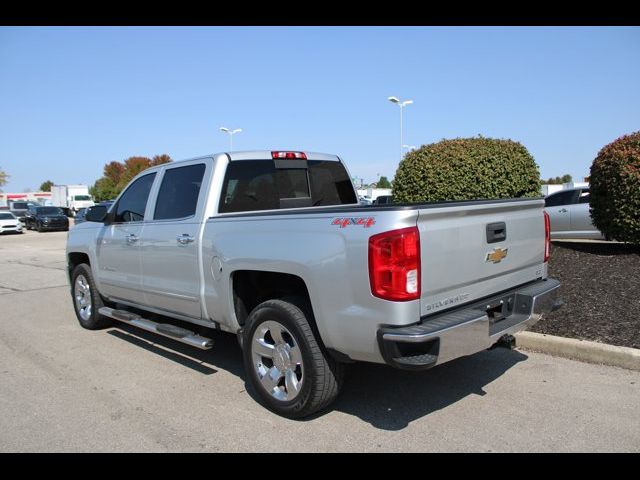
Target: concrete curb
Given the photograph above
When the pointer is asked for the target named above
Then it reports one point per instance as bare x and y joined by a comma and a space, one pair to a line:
583, 350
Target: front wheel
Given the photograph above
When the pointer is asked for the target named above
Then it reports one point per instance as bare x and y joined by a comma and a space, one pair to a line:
86, 299
285, 364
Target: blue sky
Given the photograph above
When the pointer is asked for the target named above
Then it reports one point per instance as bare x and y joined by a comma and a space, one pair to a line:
76, 98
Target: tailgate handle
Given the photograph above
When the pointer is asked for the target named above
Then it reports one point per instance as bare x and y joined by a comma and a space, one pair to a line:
496, 232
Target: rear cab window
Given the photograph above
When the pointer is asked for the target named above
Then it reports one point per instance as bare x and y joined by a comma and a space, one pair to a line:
253, 185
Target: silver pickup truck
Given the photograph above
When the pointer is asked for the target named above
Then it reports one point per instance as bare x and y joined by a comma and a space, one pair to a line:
274, 247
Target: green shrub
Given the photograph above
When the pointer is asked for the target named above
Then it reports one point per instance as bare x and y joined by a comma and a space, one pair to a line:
615, 189
466, 169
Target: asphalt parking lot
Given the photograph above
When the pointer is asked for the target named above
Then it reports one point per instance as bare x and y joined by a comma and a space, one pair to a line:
63, 388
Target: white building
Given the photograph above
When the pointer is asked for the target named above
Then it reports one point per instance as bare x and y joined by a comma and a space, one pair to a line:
549, 189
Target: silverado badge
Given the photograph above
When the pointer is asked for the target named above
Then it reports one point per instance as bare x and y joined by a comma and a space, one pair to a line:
496, 255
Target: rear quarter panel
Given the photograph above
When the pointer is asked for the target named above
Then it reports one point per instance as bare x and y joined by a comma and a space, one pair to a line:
332, 261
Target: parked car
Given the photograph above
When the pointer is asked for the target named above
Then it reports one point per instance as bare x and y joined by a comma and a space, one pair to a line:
569, 214
364, 200
9, 223
19, 209
46, 218
383, 200
274, 248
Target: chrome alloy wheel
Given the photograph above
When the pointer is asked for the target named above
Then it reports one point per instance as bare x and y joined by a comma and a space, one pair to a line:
277, 360
82, 296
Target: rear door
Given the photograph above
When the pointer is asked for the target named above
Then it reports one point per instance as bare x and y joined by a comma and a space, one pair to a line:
477, 249
118, 246
171, 242
581, 222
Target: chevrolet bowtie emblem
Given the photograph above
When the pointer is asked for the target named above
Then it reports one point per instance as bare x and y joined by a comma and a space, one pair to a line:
496, 255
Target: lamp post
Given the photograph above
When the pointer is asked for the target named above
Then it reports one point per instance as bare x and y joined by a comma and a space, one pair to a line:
401, 104
409, 147
231, 134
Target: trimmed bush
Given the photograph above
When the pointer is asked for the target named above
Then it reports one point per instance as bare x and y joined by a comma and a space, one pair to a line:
615, 189
466, 169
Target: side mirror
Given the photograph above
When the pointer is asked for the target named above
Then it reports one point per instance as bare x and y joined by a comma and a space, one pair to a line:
97, 213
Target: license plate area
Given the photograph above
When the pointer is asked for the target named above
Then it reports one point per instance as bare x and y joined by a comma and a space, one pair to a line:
500, 309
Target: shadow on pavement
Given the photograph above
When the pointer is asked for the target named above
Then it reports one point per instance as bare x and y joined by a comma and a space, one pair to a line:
599, 248
382, 396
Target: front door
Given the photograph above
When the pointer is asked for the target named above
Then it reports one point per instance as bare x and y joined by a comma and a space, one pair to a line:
118, 248
558, 207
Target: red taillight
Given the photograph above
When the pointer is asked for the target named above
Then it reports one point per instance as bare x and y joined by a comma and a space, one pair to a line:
394, 264
289, 155
547, 237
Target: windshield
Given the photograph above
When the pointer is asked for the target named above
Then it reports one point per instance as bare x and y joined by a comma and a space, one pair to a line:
49, 211
7, 216
82, 197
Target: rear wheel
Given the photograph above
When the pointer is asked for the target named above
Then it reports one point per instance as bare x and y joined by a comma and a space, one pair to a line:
285, 364
86, 299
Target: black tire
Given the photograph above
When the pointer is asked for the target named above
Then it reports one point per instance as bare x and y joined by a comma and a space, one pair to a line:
322, 376
38, 227
95, 321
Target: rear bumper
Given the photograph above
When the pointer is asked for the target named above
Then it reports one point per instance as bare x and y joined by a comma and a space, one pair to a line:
467, 330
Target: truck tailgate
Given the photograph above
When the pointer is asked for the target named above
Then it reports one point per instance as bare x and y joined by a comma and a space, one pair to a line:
463, 257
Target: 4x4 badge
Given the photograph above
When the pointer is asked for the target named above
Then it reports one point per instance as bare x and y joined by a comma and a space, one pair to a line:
496, 255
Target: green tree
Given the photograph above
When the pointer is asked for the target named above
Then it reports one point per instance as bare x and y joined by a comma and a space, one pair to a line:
566, 178
384, 182
4, 178
466, 169
46, 186
615, 189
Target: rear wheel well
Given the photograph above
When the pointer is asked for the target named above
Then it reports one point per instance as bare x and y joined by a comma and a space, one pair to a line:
252, 287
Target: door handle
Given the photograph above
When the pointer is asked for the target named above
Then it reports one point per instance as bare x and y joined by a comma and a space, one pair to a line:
131, 238
184, 239
563, 210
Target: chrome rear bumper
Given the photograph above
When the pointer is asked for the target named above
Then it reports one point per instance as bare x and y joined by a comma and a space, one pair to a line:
467, 330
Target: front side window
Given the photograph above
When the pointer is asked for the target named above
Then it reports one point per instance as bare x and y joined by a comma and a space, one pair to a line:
133, 201
561, 198
82, 198
179, 192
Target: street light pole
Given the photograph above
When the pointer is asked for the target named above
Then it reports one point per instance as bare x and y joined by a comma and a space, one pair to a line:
231, 134
401, 104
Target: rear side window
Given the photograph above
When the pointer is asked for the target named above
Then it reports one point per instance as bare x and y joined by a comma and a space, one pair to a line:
179, 192
133, 201
259, 185
584, 196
